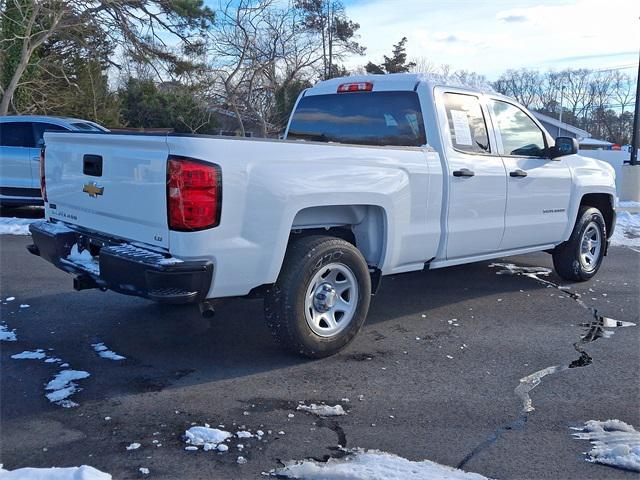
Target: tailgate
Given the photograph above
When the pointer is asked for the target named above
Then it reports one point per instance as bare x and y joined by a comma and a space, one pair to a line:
109, 183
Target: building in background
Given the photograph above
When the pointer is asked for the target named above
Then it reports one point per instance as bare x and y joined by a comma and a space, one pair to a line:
557, 128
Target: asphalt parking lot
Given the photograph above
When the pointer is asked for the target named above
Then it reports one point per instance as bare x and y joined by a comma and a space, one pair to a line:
431, 376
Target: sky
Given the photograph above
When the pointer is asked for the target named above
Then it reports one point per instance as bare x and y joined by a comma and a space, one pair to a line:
491, 36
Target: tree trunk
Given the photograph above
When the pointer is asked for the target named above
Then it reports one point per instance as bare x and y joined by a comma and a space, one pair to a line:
15, 79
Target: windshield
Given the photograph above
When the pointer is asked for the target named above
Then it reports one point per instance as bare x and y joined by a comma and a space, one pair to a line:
366, 118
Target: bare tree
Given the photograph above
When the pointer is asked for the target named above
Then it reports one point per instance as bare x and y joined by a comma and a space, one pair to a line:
259, 50
139, 27
423, 65
524, 85
623, 89
577, 91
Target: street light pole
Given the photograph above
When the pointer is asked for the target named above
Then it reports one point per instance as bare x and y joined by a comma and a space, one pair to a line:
635, 133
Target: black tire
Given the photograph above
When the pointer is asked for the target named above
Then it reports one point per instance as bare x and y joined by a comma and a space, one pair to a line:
285, 302
567, 256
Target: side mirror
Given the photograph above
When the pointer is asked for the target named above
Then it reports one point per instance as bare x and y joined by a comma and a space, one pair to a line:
564, 146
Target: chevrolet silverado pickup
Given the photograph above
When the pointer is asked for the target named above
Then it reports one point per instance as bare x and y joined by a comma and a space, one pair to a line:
377, 175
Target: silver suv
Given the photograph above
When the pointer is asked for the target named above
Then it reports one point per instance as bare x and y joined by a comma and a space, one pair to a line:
20, 142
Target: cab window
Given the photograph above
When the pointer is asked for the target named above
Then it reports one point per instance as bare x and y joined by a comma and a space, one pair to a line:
16, 134
520, 135
467, 124
40, 127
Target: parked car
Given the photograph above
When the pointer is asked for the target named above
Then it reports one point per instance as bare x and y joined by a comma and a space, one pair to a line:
20, 143
379, 175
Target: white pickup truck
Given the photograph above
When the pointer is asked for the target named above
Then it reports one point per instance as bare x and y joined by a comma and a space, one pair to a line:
378, 175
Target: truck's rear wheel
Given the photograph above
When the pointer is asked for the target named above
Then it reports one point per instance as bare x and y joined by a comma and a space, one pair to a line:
321, 297
580, 257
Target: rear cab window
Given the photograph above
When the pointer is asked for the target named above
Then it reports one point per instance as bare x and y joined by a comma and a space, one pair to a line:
40, 127
87, 127
388, 118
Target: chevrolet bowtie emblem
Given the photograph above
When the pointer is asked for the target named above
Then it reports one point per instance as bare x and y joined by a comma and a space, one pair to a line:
92, 189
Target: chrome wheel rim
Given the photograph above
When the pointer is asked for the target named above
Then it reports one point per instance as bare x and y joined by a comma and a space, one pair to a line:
590, 247
331, 300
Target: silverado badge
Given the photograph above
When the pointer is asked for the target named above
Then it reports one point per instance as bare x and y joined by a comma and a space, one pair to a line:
92, 189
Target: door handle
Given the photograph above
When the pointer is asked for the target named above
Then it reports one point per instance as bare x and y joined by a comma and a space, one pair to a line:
35, 159
92, 165
518, 173
465, 172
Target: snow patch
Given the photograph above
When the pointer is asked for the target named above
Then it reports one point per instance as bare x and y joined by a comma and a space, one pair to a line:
7, 335
16, 226
208, 438
627, 231
323, 410
170, 261
83, 259
530, 382
133, 446
104, 352
52, 227
30, 355
63, 386
84, 472
615, 443
372, 465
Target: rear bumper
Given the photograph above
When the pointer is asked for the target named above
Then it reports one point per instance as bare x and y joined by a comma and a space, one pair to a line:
120, 266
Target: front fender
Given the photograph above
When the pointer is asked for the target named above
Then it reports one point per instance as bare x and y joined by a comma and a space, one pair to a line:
589, 176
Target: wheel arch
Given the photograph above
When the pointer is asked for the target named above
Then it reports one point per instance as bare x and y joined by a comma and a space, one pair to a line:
365, 226
603, 202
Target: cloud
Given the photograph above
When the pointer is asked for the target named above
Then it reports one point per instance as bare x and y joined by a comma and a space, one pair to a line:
596, 56
481, 38
449, 39
512, 18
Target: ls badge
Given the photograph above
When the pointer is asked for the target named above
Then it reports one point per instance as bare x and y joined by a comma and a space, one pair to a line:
92, 189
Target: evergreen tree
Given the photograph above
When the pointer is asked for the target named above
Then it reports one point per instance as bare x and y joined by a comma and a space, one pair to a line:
397, 63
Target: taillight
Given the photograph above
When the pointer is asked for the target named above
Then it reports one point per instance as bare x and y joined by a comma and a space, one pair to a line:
43, 182
194, 194
355, 87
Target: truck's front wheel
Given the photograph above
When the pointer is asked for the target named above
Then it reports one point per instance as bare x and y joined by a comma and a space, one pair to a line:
321, 297
580, 257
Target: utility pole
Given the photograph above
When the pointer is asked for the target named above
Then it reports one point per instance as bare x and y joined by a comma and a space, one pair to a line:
560, 116
635, 134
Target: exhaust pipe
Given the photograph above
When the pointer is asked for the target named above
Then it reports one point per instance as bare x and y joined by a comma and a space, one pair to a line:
84, 282
207, 309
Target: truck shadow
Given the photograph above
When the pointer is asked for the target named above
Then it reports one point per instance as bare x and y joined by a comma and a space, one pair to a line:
174, 346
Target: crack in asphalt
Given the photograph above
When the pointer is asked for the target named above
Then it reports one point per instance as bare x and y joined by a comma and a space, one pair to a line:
338, 451
595, 329
262, 404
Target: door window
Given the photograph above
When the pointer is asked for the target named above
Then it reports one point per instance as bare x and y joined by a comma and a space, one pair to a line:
16, 134
40, 127
520, 135
466, 123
